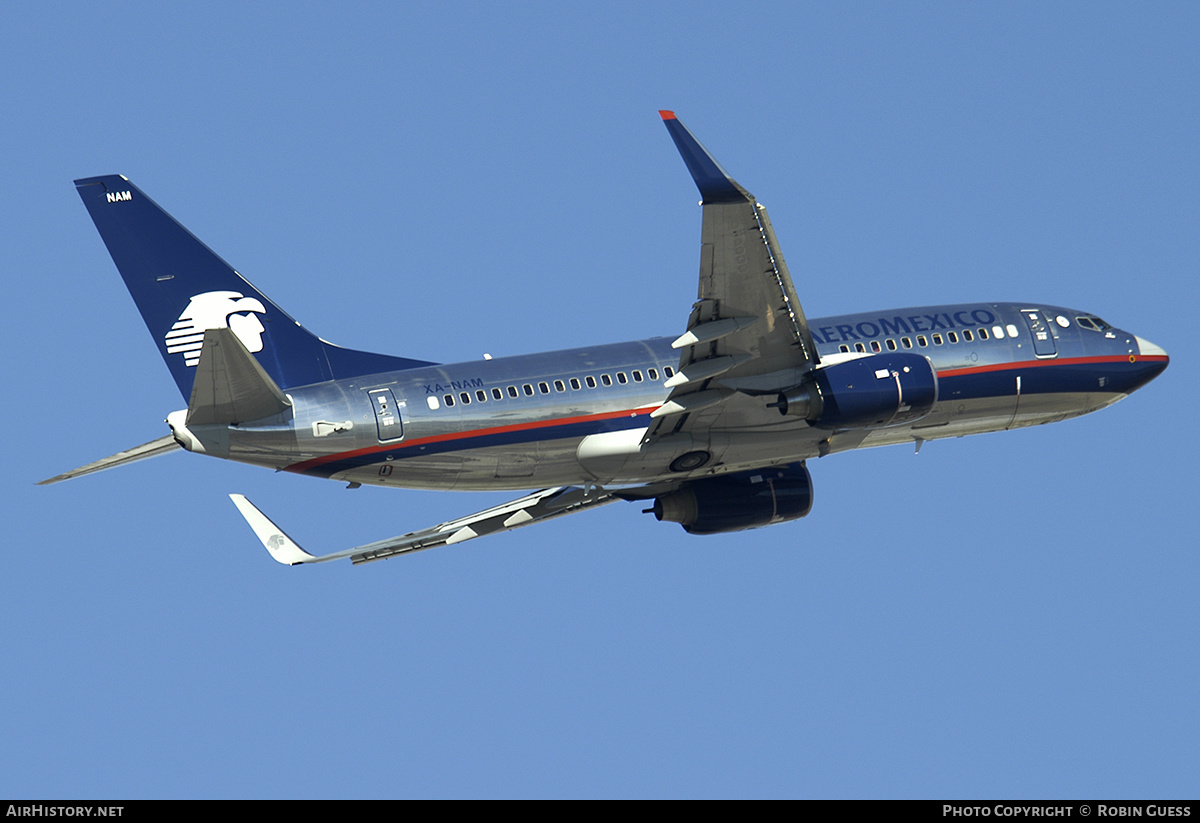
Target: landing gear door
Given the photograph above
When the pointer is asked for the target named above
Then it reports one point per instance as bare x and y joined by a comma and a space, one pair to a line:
1043, 339
387, 414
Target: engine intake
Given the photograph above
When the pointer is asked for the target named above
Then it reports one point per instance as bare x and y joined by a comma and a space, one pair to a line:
872, 392
744, 500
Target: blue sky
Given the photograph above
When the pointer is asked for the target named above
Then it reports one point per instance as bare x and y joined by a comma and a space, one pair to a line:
1005, 615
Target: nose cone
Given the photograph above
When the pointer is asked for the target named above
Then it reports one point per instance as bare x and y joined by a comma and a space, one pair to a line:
1148, 349
1150, 363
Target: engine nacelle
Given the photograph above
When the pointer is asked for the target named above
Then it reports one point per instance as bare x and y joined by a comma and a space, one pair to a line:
885, 389
744, 500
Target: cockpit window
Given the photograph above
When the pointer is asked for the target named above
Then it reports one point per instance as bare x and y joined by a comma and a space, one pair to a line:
1093, 323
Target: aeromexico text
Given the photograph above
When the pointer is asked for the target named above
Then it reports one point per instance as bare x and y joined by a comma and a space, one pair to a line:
910, 324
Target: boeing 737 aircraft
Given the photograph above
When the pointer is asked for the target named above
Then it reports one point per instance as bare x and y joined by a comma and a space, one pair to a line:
713, 426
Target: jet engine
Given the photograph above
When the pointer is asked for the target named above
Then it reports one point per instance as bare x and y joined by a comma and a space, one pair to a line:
872, 392
743, 500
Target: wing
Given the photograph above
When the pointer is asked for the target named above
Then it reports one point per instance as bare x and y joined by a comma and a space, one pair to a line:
747, 331
538, 507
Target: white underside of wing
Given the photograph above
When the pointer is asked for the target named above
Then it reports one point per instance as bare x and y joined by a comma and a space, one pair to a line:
533, 508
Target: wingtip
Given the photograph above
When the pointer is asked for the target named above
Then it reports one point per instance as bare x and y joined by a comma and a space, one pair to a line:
666, 115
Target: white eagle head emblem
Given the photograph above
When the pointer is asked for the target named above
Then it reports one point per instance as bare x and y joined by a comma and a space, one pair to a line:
216, 310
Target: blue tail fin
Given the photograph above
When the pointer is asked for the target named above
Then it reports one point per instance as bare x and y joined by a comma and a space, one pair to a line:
182, 288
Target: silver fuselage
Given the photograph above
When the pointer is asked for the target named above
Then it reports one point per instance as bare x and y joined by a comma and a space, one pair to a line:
577, 416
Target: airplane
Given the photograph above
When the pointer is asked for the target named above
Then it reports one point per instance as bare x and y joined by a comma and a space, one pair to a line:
713, 427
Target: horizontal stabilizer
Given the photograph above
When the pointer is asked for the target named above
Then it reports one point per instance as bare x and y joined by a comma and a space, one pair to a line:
533, 508
152, 449
231, 387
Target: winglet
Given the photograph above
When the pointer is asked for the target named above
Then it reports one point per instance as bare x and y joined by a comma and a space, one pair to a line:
281, 547
715, 184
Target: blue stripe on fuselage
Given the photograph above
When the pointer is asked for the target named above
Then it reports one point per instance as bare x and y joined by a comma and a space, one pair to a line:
1079, 375
572, 428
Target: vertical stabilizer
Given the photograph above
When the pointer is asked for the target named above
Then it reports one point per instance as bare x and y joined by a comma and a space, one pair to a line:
182, 288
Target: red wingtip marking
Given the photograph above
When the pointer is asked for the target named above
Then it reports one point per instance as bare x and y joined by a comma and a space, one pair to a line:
666, 115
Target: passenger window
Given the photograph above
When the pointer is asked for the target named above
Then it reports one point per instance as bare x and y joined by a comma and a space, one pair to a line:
653, 373
637, 376
465, 397
575, 383
528, 389
512, 391
558, 386
591, 381
937, 340
921, 341
621, 378
432, 402
891, 344
668, 371
983, 334
860, 347
875, 347
997, 332
544, 388
481, 395
1012, 330
967, 336
906, 342
844, 348
606, 380
952, 337
496, 395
